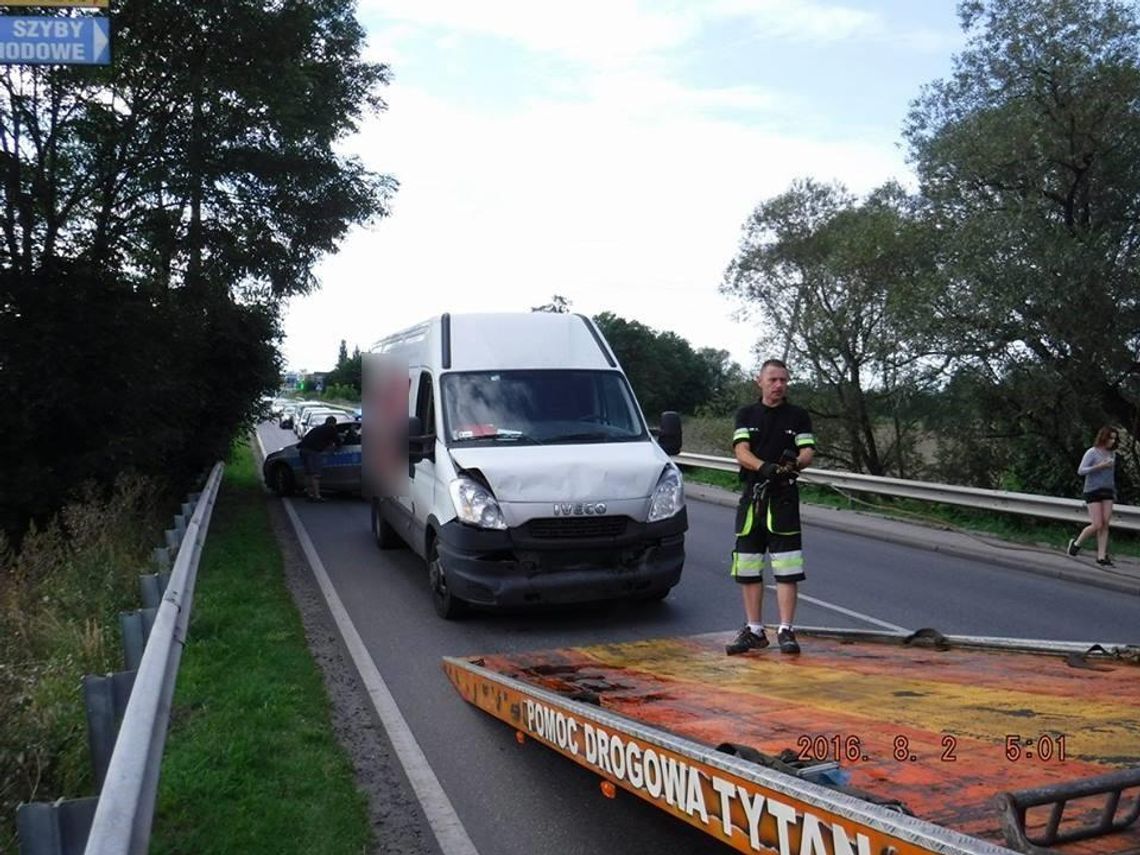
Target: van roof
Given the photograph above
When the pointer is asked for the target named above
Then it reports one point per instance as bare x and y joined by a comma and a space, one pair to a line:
504, 340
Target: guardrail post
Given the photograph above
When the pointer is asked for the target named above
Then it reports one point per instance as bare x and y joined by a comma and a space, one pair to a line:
55, 828
151, 588
106, 701
135, 627
160, 558
172, 539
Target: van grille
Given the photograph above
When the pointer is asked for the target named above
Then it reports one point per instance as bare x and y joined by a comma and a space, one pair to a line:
577, 527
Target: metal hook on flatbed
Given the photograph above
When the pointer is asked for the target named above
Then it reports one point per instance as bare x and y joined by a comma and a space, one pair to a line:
937, 639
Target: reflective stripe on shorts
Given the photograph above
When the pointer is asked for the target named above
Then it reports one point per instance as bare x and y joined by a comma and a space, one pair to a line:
748, 565
788, 564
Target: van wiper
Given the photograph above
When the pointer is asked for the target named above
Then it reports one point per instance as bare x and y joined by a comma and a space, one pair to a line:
585, 435
517, 435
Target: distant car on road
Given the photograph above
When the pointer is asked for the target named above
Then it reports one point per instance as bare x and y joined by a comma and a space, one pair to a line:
290, 411
315, 417
284, 473
302, 413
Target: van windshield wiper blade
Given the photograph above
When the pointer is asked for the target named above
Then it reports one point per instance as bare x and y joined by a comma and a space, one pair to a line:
504, 433
577, 437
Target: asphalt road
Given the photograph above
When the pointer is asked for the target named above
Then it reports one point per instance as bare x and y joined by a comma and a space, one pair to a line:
526, 799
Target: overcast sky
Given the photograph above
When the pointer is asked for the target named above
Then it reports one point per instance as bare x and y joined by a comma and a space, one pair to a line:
608, 151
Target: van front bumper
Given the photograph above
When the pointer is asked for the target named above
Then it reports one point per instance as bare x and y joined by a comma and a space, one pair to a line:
513, 568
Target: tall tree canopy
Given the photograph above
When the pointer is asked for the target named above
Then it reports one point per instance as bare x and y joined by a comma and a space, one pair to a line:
205, 155
1014, 272
153, 214
1029, 159
838, 287
664, 370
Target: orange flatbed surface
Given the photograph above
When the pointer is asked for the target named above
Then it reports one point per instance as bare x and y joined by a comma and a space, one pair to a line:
928, 727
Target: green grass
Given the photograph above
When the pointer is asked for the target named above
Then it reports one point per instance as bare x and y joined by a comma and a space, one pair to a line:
1016, 529
251, 764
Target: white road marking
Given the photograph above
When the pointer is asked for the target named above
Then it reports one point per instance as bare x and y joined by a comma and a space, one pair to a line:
449, 831
849, 612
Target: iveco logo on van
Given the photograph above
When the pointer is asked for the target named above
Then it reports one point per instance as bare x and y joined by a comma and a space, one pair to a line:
577, 509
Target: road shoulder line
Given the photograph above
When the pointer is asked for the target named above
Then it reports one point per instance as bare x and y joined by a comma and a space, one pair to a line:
449, 832
874, 621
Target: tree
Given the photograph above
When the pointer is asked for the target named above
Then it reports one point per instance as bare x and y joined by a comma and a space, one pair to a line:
728, 386
348, 370
662, 367
205, 155
153, 215
840, 285
1029, 157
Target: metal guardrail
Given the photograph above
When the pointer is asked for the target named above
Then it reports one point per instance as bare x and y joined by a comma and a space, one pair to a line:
1124, 517
126, 805
128, 712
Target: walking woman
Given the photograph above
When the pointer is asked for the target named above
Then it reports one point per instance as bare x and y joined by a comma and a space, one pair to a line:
1099, 468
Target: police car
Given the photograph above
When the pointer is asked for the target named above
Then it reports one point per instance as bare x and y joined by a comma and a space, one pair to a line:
285, 475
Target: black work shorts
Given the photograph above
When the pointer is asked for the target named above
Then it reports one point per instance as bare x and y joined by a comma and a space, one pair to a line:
1105, 494
770, 526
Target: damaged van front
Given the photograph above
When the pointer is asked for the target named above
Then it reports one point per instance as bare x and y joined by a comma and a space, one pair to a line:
534, 478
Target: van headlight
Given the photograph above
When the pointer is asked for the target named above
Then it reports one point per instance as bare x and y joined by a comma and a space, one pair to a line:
475, 505
668, 496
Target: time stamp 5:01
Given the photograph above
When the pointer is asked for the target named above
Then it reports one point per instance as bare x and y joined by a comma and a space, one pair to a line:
838, 747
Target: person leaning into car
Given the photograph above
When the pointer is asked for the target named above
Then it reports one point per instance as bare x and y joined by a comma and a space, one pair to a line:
313, 446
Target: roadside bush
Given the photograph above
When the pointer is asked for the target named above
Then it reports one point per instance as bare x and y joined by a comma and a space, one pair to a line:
341, 392
60, 595
152, 380
708, 435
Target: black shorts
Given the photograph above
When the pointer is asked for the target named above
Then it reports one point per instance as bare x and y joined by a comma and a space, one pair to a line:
772, 526
312, 461
1105, 494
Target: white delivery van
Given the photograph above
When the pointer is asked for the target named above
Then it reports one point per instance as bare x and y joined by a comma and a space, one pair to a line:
532, 476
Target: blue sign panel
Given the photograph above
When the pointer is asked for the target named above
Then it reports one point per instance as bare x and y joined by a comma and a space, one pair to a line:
55, 41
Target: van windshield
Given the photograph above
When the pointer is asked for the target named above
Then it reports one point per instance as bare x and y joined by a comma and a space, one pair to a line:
539, 407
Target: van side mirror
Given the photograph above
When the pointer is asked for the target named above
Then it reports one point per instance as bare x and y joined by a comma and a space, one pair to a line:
669, 434
421, 446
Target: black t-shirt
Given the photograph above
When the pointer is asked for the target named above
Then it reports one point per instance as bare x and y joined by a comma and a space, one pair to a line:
769, 431
320, 438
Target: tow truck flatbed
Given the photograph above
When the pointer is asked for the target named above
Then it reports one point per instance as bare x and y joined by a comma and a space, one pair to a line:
866, 744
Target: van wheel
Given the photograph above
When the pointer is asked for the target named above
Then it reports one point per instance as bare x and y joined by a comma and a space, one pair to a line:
382, 530
447, 605
281, 480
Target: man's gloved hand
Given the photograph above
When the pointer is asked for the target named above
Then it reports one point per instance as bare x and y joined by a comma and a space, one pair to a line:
788, 468
768, 470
